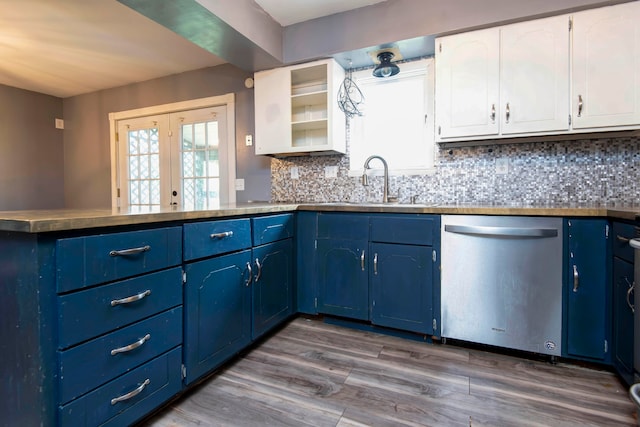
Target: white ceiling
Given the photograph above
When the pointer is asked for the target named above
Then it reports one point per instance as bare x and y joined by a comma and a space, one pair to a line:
288, 12
70, 47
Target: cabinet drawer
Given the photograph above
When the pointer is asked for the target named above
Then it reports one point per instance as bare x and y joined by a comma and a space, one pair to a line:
343, 226
91, 364
621, 234
408, 230
95, 408
86, 314
272, 228
202, 239
86, 261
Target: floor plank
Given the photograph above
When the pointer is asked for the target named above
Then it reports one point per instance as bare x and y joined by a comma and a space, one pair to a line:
315, 374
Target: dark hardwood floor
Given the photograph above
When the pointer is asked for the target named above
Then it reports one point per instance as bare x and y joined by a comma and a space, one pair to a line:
314, 374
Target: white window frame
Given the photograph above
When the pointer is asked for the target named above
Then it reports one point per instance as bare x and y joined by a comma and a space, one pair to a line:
227, 100
407, 69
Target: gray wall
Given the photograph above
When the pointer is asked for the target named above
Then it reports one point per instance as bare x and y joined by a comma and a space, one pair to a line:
87, 156
31, 160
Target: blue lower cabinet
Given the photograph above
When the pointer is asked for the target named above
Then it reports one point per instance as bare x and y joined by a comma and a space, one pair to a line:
129, 397
587, 290
623, 297
401, 278
343, 288
272, 287
217, 304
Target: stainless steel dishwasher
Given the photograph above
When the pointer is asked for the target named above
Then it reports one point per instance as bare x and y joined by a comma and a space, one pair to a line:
502, 281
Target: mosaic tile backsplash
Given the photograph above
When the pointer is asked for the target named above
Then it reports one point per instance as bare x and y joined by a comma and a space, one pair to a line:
590, 171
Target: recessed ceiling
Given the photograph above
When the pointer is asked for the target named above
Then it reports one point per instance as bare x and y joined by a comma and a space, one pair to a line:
69, 47
288, 12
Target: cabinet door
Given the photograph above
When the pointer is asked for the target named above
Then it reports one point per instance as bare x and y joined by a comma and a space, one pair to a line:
587, 289
272, 287
467, 84
217, 309
272, 101
534, 76
343, 288
623, 319
606, 67
401, 278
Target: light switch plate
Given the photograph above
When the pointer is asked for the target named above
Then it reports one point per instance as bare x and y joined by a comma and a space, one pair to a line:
330, 171
240, 184
295, 173
502, 166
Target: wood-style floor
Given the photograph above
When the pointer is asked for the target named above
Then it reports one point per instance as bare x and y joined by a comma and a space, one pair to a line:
314, 374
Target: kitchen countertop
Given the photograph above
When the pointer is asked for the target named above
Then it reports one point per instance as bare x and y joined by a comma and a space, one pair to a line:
36, 221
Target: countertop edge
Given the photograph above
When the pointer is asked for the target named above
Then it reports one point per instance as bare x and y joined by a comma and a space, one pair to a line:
64, 220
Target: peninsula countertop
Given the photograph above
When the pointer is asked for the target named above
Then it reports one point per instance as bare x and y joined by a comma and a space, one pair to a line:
37, 221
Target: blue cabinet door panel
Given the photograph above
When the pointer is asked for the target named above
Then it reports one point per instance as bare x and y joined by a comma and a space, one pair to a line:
86, 366
157, 380
401, 278
343, 288
217, 312
272, 287
587, 289
267, 229
623, 300
86, 314
86, 261
343, 226
203, 239
306, 289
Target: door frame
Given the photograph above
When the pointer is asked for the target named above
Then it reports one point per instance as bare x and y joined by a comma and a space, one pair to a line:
227, 100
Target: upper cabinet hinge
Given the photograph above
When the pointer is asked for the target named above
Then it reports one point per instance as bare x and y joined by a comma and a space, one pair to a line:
440, 47
569, 119
184, 277
570, 24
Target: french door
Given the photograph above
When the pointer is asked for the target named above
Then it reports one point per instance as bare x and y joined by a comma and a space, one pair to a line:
174, 159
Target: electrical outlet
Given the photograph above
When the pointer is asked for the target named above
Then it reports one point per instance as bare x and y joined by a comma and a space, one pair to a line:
240, 184
295, 173
248, 139
330, 171
502, 166
59, 124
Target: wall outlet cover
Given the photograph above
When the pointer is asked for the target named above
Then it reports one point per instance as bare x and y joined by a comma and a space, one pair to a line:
240, 184
330, 171
502, 166
295, 172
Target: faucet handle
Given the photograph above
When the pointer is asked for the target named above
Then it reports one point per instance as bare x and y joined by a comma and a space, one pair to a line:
413, 199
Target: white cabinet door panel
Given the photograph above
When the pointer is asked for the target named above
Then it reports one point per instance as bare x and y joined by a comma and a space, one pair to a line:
606, 67
272, 94
534, 76
467, 84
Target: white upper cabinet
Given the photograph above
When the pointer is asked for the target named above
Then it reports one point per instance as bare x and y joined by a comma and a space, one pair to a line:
297, 111
510, 81
534, 76
606, 68
467, 84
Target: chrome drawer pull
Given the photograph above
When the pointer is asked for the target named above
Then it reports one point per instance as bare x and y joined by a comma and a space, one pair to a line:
622, 239
221, 235
631, 287
132, 251
130, 299
132, 393
130, 347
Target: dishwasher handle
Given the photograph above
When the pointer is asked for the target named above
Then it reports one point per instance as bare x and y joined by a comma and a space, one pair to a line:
503, 231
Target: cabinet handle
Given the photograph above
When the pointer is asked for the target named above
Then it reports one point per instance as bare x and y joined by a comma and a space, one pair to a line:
362, 260
131, 299
221, 235
375, 263
622, 239
631, 287
132, 346
132, 251
576, 278
493, 113
132, 393
507, 113
259, 271
580, 104
248, 282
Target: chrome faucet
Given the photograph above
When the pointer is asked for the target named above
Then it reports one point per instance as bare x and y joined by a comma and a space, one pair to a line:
365, 178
